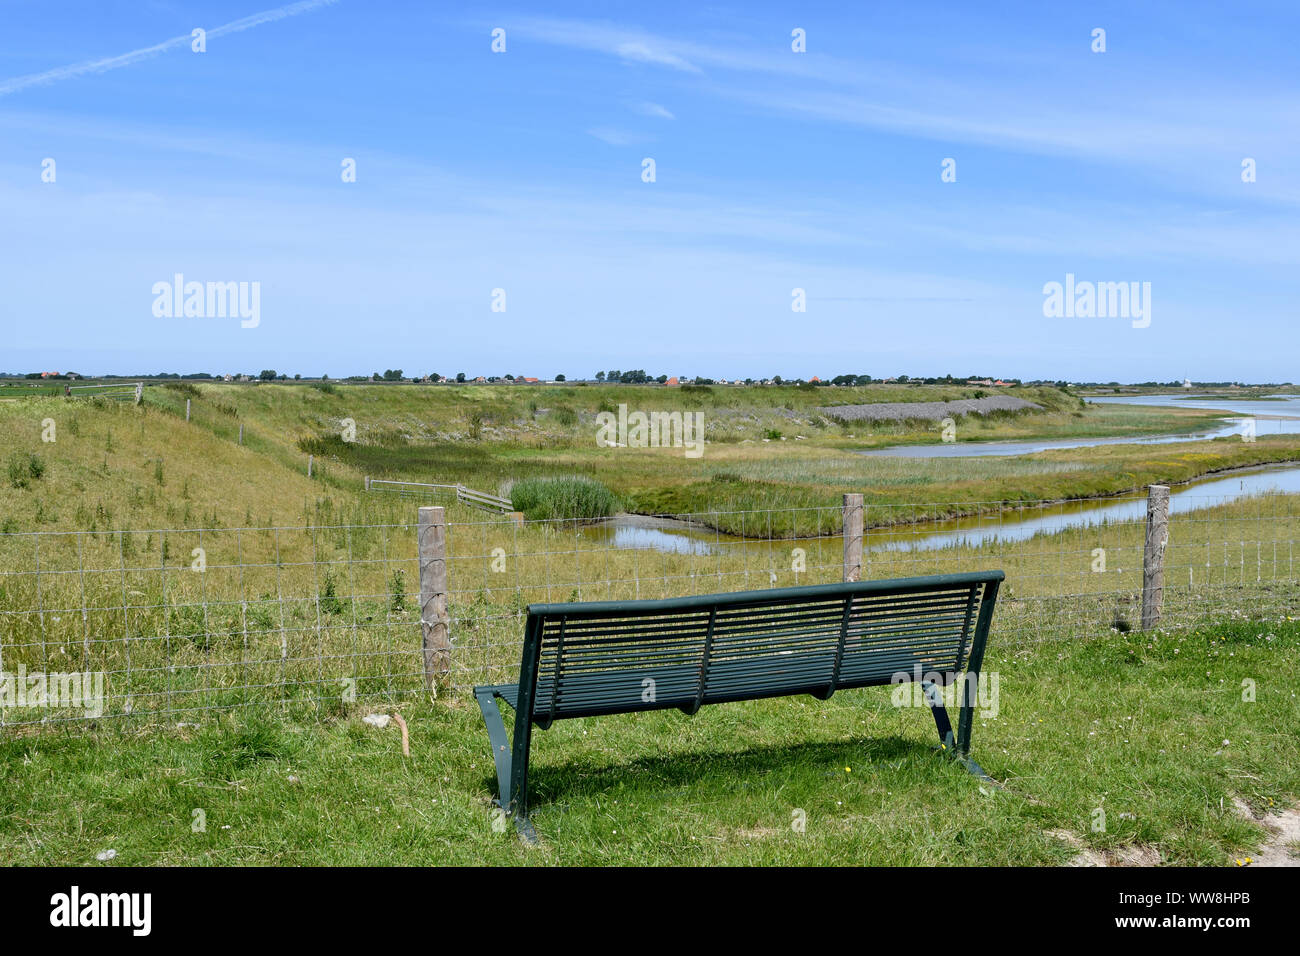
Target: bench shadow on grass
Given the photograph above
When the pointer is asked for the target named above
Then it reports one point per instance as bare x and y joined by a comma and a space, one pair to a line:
558, 787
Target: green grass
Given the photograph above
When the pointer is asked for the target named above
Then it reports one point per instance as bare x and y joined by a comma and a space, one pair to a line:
27, 389
286, 615
645, 789
109, 455
1135, 724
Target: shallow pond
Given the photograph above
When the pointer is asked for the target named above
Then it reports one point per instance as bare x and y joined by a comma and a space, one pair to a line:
679, 537
1286, 406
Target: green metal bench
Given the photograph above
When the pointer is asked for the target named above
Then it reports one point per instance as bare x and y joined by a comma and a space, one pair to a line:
617, 657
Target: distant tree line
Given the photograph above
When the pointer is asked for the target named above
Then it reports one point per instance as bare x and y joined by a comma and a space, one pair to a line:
634, 377
642, 377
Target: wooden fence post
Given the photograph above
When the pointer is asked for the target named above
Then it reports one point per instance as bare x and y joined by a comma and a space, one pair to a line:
435, 623
1153, 555
852, 537
187, 409
309, 459
241, 433
139, 392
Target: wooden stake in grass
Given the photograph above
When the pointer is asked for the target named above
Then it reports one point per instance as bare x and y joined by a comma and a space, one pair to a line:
1153, 555
309, 459
853, 537
406, 737
434, 620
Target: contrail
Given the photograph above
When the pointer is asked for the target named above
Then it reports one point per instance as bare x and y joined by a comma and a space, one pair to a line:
126, 59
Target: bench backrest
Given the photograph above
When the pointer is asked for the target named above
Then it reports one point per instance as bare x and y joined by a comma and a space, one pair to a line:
589, 658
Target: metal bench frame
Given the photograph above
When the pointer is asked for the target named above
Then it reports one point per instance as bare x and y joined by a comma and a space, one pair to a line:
512, 759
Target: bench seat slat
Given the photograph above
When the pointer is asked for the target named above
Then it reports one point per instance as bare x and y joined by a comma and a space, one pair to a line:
601, 663
675, 686
622, 691
578, 643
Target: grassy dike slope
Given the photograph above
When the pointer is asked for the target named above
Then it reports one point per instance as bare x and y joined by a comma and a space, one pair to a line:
114, 465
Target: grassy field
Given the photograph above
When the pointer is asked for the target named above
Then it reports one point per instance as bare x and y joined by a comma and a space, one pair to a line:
1150, 728
115, 465
1093, 714
285, 615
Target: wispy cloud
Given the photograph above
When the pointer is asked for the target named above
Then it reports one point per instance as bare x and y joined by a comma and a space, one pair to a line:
1182, 130
633, 44
126, 59
630, 45
643, 52
654, 109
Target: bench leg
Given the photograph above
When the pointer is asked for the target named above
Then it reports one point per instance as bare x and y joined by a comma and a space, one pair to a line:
504, 759
958, 746
965, 721
496, 729
941, 721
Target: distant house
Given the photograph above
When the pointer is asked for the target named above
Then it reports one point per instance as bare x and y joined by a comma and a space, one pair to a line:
672, 381
480, 379
226, 378
527, 381
814, 379
1187, 383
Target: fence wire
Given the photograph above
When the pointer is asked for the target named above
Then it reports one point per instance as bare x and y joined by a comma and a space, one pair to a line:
178, 621
1074, 570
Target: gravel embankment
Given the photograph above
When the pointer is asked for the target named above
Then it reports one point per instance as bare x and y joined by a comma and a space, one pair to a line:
934, 411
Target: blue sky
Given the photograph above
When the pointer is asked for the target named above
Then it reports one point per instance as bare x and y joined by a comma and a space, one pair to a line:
775, 170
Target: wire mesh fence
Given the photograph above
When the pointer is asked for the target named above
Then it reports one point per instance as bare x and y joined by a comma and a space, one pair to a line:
1073, 569
184, 620
175, 621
